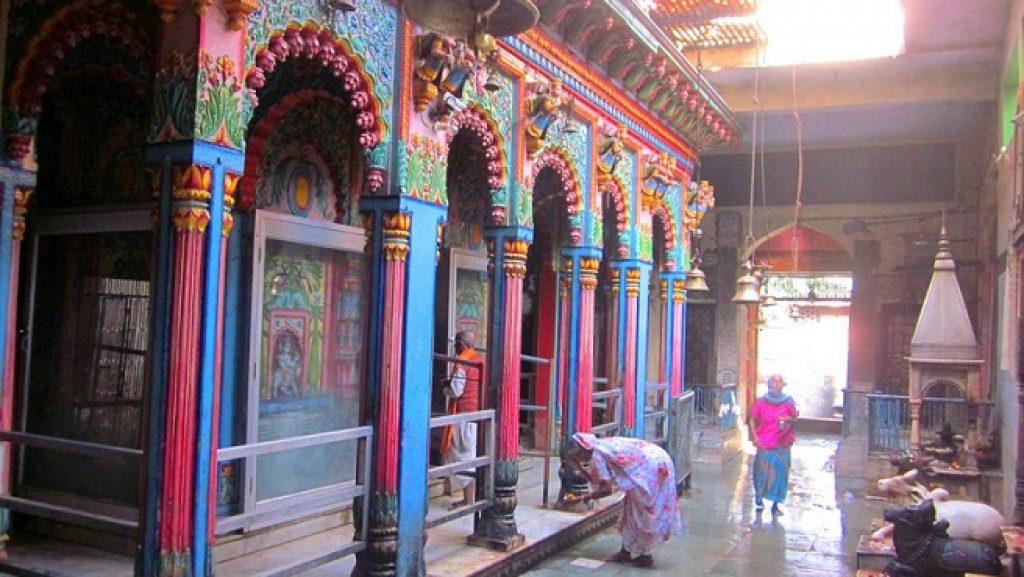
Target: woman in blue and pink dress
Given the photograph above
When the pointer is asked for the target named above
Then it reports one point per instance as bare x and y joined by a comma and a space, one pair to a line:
645, 473
771, 428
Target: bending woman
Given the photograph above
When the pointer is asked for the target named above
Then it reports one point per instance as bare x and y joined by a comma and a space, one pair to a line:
645, 473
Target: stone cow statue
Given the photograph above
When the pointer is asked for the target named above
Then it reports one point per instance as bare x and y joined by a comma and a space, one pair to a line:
924, 548
966, 519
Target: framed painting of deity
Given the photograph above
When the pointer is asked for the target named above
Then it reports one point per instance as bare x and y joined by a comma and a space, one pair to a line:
468, 295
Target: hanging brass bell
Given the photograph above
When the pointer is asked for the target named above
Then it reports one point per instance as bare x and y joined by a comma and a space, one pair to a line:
696, 280
492, 83
342, 5
747, 289
459, 18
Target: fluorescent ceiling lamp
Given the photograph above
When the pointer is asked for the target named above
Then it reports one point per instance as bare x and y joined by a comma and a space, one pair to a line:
808, 31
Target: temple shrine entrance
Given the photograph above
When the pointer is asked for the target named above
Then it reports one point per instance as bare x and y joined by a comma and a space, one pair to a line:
77, 433
541, 297
294, 439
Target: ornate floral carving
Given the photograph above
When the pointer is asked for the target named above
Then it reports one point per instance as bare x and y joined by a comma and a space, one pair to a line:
219, 105
659, 177
191, 191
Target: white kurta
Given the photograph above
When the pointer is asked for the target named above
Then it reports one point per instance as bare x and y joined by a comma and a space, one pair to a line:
464, 439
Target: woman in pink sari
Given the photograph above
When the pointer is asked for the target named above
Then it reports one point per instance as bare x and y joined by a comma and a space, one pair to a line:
771, 428
645, 473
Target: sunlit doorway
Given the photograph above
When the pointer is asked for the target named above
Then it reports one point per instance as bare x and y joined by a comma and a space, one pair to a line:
804, 336
803, 323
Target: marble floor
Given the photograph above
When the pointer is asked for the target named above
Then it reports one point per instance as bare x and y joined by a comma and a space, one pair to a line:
723, 536
816, 536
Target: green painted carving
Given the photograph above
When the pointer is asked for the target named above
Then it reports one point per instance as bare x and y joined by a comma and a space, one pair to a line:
425, 174
524, 205
174, 99
218, 116
645, 245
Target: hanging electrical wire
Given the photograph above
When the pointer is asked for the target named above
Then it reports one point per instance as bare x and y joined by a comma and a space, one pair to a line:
799, 177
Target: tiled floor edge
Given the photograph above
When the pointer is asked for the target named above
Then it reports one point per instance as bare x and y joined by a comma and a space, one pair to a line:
521, 560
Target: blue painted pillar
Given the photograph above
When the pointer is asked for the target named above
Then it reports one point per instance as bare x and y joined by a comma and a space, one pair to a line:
206, 206
14, 182
403, 256
575, 359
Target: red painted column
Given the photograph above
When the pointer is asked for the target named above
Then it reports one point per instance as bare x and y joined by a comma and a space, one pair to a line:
508, 402
564, 330
629, 358
191, 192
678, 299
497, 527
383, 517
585, 383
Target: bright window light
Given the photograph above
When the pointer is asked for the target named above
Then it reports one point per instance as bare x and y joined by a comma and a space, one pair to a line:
807, 31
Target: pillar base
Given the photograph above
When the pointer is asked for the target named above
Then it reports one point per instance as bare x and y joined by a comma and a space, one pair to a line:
497, 543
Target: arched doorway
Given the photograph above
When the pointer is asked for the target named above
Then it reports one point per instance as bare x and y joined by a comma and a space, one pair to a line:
543, 293
608, 381
803, 322
85, 280
300, 281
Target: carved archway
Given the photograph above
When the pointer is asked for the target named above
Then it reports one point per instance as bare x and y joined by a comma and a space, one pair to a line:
479, 122
620, 204
128, 56
351, 87
558, 160
664, 215
319, 44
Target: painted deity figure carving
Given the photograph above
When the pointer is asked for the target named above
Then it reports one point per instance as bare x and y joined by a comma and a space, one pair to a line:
548, 105
287, 366
444, 66
700, 198
611, 151
434, 61
659, 176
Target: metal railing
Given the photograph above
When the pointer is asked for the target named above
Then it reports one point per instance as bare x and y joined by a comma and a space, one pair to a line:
888, 422
608, 403
889, 419
67, 513
715, 406
281, 509
529, 409
680, 441
656, 409
481, 468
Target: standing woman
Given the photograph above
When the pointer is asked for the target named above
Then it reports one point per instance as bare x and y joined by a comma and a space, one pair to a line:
771, 428
645, 473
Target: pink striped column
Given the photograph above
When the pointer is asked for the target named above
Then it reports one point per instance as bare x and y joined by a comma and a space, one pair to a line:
678, 300
190, 215
629, 358
585, 383
508, 402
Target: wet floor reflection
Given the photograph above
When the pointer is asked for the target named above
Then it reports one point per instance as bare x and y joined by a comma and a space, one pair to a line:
816, 535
